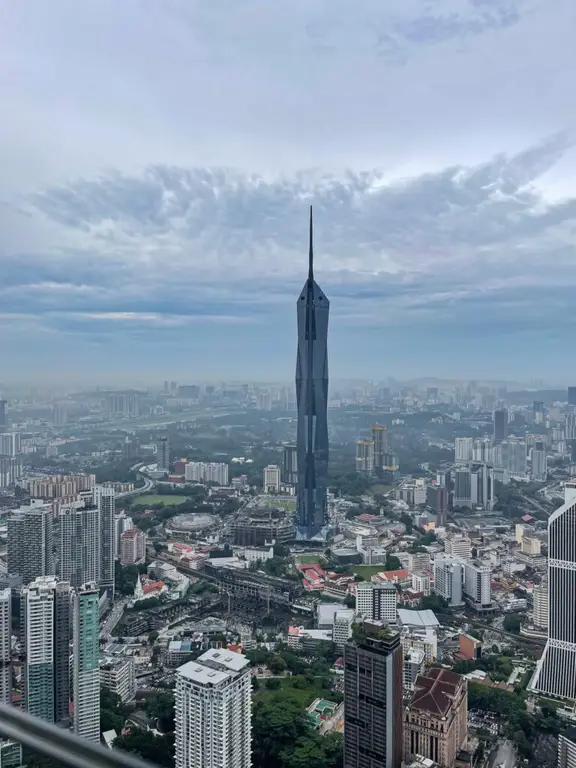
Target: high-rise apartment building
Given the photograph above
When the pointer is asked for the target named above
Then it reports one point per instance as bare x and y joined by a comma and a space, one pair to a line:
271, 481
474, 486
377, 601
206, 472
556, 671
380, 440
3, 422
463, 448
477, 584
500, 425
540, 605
105, 500
5, 646
30, 541
122, 523
313, 309
365, 456
539, 462
213, 711
436, 720
10, 443
342, 627
61, 487
79, 543
163, 454
567, 745
45, 610
10, 470
373, 697
86, 662
290, 465
448, 579
123, 404
133, 547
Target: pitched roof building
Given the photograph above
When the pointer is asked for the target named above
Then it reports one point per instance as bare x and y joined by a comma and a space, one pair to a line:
436, 721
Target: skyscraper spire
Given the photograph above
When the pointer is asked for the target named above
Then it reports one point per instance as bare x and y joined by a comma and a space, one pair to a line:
311, 250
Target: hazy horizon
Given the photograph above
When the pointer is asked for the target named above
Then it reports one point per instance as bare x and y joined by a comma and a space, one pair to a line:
159, 159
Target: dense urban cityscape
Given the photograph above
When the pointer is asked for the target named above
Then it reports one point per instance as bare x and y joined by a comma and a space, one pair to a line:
185, 574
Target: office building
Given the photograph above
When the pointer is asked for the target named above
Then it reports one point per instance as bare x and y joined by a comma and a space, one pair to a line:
117, 673
133, 547
342, 627
437, 502
213, 711
86, 662
436, 720
539, 462
45, 613
78, 543
500, 425
206, 472
448, 579
377, 601
457, 545
413, 666
477, 587
365, 456
30, 541
271, 482
163, 454
373, 672
105, 500
290, 465
540, 605
312, 404
567, 742
380, 440
122, 523
463, 449
10, 443
556, 671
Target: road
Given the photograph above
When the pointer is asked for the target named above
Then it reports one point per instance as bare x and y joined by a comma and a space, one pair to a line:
112, 619
503, 756
146, 488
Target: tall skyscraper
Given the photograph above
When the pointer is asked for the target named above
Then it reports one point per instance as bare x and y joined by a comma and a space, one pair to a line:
30, 541
373, 697
10, 751
86, 662
500, 425
556, 671
105, 500
163, 454
290, 465
79, 543
313, 309
45, 609
365, 456
213, 711
380, 438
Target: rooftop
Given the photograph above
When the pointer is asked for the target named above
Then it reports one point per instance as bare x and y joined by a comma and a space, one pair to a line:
417, 618
435, 691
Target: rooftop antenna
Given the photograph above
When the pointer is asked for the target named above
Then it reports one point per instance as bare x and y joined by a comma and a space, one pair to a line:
311, 250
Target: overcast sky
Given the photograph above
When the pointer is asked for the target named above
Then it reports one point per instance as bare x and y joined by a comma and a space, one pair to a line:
157, 160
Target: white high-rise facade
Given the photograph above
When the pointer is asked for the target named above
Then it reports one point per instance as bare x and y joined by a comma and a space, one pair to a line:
213, 711
86, 662
458, 546
463, 449
79, 543
448, 578
556, 671
105, 500
122, 523
540, 605
477, 587
377, 601
271, 478
206, 472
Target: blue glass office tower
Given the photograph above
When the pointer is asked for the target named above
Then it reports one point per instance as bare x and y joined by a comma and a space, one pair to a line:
312, 403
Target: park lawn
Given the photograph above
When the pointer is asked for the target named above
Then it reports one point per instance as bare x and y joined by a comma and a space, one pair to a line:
367, 571
166, 499
305, 696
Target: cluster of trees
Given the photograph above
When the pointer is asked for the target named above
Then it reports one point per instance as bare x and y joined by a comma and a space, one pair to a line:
521, 727
498, 667
126, 576
158, 750
281, 737
513, 622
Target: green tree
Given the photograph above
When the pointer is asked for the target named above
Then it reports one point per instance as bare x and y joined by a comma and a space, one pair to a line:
155, 749
161, 708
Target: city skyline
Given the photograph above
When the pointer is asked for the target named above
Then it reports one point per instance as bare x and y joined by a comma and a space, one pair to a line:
132, 231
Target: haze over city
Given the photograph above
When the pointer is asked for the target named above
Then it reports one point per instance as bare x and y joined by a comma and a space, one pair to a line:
159, 159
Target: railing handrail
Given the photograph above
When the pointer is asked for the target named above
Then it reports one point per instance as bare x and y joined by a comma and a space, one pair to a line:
61, 744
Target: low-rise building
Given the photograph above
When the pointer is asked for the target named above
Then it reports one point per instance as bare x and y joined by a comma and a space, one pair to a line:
117, 674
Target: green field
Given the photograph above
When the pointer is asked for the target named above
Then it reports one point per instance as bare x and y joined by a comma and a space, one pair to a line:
305, 696
367, 571
313, 559
287, 504
168, 501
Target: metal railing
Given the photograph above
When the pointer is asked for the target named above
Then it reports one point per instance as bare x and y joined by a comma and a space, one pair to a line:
60, 744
